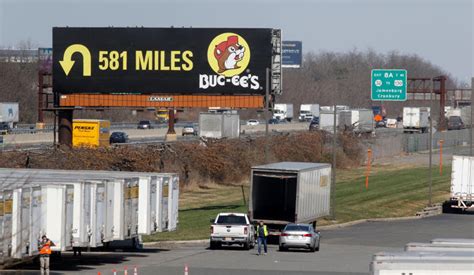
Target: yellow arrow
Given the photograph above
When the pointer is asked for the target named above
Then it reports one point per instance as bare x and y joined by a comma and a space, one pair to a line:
67, 61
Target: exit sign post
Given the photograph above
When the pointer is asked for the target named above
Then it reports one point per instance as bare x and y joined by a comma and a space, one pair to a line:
389, 85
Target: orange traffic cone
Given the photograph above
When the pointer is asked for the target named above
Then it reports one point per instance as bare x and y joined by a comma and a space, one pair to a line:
114, 271
135, 271
125, 272
186, 270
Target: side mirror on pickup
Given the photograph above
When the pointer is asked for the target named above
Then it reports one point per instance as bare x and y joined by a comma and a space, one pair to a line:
212, 220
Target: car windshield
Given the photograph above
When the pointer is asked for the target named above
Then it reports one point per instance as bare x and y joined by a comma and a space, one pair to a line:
231, 219
294, 227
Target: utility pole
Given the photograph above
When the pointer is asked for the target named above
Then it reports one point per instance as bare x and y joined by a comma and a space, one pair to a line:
266, 111
472, 111
431, 144
333, 170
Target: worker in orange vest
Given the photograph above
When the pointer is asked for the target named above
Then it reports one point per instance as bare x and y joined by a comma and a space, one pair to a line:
45, 251
378, 118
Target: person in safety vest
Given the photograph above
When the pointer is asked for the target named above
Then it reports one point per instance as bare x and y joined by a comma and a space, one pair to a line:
44, 247
262, 234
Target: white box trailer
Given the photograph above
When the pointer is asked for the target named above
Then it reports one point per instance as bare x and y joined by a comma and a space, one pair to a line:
219, 125
453, 241
416, 119
453, 247
160, 216
462, 182
422, 263
357, 120
289, 192
326, 120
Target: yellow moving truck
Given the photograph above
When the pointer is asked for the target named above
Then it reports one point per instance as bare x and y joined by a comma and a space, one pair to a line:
90, 133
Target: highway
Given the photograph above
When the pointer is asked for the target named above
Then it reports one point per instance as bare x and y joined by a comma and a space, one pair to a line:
343, 251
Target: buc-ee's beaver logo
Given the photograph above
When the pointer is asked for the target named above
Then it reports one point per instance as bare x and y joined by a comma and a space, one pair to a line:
229, 56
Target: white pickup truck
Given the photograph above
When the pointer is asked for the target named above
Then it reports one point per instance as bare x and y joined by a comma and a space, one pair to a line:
232, 228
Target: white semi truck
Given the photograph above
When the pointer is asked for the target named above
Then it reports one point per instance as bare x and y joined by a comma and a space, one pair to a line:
308, 112
283, 111
9, 116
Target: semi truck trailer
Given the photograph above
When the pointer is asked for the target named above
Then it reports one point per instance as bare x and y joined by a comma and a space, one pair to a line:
289, 192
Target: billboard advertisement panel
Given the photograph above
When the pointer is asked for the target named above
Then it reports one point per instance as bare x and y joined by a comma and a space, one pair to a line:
292, 54
161, 60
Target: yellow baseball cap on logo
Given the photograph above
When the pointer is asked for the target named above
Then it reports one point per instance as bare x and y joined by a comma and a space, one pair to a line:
228, 54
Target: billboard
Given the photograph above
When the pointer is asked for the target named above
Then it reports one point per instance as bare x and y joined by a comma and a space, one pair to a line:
292, 54
161, 60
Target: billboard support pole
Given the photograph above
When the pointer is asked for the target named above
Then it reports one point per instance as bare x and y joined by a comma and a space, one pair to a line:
171, 134
65, 127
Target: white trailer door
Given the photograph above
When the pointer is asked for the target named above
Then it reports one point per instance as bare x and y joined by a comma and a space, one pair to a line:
144, 205
100, 212
173, 200
36, 225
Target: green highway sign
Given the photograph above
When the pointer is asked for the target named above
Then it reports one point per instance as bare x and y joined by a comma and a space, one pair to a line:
389, 85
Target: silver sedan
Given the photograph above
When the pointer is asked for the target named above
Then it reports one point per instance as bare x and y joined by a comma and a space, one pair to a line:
299, 236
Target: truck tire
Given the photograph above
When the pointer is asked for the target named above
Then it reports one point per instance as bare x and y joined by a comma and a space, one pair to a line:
247, 245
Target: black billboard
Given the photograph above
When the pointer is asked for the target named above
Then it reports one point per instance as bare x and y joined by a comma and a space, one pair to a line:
161, 60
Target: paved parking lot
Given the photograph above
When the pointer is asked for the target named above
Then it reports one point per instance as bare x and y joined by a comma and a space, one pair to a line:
343, 251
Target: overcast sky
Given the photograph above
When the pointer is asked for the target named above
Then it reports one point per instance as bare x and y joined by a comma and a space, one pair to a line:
440, 31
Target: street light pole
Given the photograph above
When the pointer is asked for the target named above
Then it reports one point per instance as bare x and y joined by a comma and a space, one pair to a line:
431, 144
472, 111
333, 170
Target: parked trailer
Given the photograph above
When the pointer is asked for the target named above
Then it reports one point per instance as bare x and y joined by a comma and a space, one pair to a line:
462, 183
161, 221
453, 241
422, 263
289, 192
357, 120
433, 247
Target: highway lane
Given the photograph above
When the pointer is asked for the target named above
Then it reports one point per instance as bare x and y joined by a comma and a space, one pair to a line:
346, 250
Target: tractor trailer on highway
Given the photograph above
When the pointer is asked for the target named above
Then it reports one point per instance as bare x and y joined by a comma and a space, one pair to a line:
9, 116
289, 192
308, 112
283, 111
416, 119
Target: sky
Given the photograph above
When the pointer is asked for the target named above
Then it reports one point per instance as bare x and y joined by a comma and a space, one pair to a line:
440, 31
